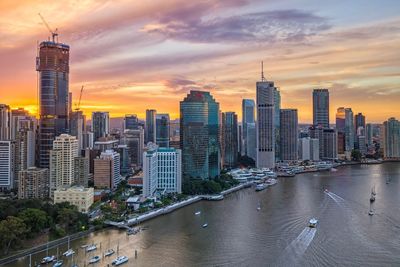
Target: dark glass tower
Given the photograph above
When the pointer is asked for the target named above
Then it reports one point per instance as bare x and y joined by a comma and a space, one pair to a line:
230, 139
162, 130
248, 107
321, 107
150, 129
53, 67
199, 136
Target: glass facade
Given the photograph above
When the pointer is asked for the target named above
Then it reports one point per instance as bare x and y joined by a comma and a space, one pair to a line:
199, 135
162, 130
53, 67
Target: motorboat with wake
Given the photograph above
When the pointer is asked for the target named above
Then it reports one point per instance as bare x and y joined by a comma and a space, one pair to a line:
312, 223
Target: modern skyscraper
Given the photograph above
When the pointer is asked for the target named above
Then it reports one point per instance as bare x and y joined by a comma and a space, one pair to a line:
52, 64
369, 134
248, 108
251, 141
77, 127
359, 121
100, 124
134, 140
7, 158
199, 135
162, 130
150, 127
265, 123
65, 150
162, 170
131, 122
321, 107
345, 125
391, 139
289, 134
230, 139
5, 122
33, 183
107, 170
330, 144
277, 121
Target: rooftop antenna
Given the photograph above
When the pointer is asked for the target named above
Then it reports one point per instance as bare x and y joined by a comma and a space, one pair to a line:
54, 34
262, 72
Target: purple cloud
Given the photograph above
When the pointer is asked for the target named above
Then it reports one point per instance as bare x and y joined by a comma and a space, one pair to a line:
267, 26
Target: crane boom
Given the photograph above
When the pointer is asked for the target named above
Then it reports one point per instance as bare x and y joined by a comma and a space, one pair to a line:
78, 106
54, 34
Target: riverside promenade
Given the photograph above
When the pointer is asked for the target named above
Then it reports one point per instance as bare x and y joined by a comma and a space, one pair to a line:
168, 209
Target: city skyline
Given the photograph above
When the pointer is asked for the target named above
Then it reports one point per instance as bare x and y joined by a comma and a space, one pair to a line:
127, 59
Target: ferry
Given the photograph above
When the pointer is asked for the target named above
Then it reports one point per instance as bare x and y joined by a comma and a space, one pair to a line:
48, 259
313, 223
94, 259
261, 187
120, 260
69, 252
109, 253
91, 248
58, 264
197, 213
204, 225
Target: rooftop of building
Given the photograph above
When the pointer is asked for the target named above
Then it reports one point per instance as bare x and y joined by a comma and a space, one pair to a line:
75, 188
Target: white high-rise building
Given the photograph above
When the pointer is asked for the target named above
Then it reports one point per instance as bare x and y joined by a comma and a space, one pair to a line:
309, 149
65, 149
265, 124
7, 150
162, 170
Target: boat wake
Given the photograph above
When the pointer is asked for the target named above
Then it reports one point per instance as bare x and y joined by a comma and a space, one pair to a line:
295, 250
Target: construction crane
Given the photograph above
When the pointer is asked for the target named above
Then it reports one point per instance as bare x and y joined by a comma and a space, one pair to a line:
78, 107
54, 34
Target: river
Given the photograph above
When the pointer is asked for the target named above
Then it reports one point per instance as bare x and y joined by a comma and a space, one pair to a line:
277, 235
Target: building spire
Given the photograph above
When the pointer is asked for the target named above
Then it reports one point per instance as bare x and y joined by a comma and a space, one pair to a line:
262, 72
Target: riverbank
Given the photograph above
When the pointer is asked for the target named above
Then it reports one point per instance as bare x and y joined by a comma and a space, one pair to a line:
122, 225
168, 209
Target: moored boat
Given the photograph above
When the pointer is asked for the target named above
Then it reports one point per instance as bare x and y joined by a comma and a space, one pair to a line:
94, 259
109, 252
120, 260
48, 259
91, 248
261, 187
58, 263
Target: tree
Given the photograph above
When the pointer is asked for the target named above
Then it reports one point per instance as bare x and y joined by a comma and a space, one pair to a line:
356, 155
12, 230
35, 219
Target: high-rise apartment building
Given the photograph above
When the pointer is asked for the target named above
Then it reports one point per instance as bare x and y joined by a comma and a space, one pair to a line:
200, 135
5, 122
265, 123
65, 150
230, 139
330, 144
100, 124
289, 134
81, 171
345, 130
150, 127
162, 130
7, 163
33, 183
391, 139
321, 107
309, 149
107, 170
52, 65
248, 113
162, 170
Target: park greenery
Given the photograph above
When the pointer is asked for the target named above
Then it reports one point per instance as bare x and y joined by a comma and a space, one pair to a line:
211, 186
22, 220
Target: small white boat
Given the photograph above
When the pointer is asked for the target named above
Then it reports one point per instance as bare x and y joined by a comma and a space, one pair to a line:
91, 248
69, 252
109, 252
58, 263
94, 259
84, 246
197, 213
371, 212
204, 225
313, 223
261, 187
48, 259
120, 260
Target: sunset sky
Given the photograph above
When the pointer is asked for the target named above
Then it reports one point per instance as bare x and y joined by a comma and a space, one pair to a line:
135, 55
